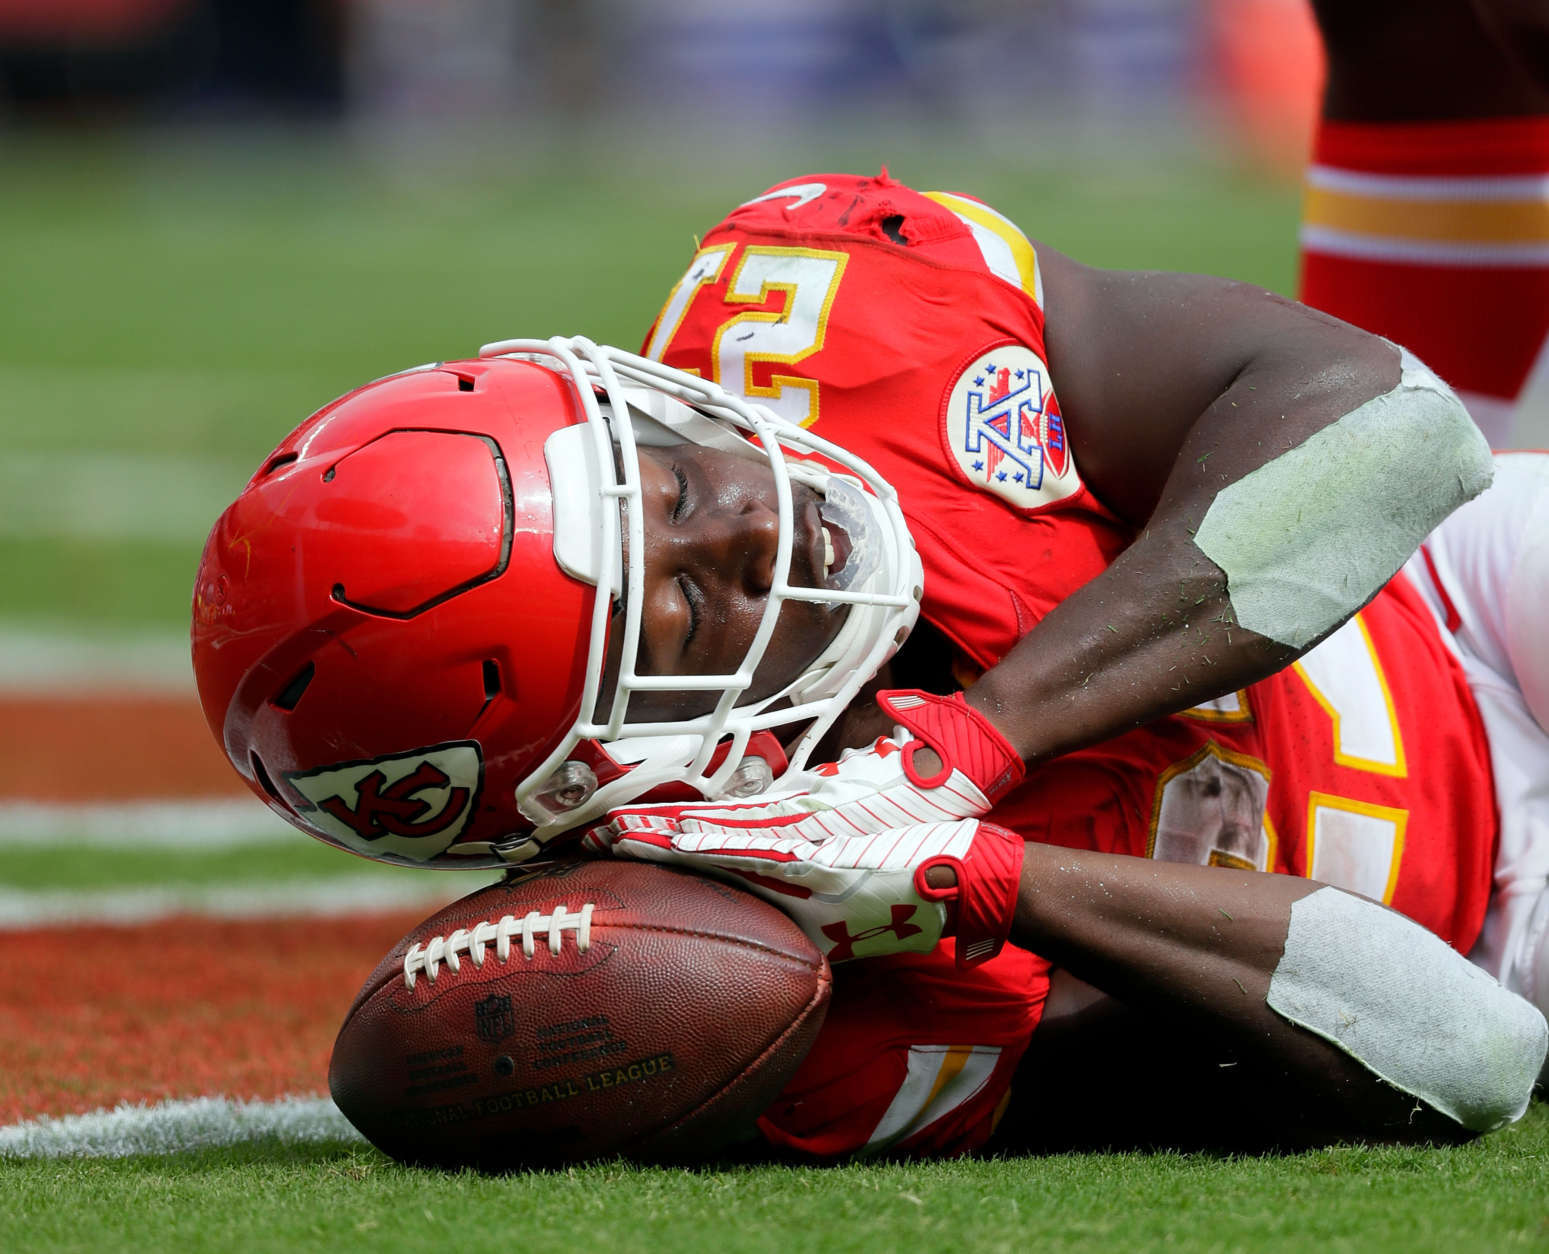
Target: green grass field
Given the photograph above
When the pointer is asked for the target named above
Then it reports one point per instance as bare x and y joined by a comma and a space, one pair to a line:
1489, 1196
174, 312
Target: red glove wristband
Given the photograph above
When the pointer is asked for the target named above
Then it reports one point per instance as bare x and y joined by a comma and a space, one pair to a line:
963, 738
984, 901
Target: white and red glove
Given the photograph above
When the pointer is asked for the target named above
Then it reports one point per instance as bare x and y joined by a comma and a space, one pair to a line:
854, 896
878, 789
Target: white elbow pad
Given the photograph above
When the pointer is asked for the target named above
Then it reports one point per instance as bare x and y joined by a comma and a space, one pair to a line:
1308, 538
1408, 1007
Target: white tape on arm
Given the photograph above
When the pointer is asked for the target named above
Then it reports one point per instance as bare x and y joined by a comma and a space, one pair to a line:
1408, 1007
1308, 538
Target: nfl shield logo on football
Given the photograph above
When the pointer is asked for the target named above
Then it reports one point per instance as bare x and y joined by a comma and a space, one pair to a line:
1002, 424
493, 1018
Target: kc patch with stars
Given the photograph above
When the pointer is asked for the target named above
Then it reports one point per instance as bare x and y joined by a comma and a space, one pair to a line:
1002, 423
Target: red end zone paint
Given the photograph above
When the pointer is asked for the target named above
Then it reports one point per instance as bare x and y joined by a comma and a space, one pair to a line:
104, 747
92, 1016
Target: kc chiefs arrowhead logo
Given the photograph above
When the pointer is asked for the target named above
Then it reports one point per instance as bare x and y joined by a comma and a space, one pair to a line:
398, 809
414, 804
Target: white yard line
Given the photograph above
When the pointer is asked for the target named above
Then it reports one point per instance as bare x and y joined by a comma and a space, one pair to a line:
175, 1128
63, 659
335, 896
130, 825
116, 496
143, 824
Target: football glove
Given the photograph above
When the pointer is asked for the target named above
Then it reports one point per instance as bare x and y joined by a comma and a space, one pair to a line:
854, 896
878, 789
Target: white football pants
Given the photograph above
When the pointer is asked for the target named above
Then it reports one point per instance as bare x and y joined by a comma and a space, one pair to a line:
1489, 563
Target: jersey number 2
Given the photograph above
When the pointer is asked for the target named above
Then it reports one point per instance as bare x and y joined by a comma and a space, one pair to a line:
803, 280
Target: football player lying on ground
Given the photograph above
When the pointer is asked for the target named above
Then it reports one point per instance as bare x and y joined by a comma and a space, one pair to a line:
425, 632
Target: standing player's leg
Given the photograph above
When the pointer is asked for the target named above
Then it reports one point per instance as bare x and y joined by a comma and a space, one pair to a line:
1485, 574
1426, 214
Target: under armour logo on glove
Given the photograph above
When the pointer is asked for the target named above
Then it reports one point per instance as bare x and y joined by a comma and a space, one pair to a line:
855, 896
879, 789
899, 928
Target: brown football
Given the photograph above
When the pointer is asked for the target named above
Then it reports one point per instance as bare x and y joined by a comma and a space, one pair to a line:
591, 1009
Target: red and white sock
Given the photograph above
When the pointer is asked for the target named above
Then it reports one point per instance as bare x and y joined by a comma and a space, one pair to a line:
1436, 235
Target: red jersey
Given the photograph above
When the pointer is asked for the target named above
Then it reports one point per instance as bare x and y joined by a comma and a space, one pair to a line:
911, 327
916, 1056
873, 310
1364, 765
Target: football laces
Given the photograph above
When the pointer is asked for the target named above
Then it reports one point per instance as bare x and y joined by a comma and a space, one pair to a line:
428, 958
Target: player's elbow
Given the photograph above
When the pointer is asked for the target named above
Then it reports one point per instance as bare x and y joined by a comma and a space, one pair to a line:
1404, 437
1508, 1059
1310, 536
1431, 422
1409, 1008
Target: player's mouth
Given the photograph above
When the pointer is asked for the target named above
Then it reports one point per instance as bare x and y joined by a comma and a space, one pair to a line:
825, 546
847, 540
836, 550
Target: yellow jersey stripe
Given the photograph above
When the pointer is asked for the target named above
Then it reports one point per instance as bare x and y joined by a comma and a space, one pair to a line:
1007, 252
939, 1079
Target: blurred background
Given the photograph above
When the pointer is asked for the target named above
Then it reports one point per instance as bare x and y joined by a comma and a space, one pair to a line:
216, 215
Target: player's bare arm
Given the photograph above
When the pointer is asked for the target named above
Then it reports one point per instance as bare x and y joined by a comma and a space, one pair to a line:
1348, 1001
1200, 953
1177, 390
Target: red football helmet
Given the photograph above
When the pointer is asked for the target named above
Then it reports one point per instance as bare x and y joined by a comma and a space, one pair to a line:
400, 627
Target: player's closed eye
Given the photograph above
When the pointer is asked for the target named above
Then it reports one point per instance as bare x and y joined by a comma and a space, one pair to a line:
694, 599
680, 507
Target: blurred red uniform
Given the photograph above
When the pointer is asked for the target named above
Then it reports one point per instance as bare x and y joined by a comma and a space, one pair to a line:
911, 326
1433, 234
